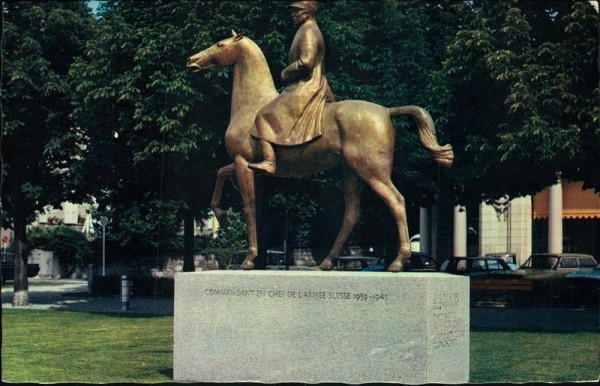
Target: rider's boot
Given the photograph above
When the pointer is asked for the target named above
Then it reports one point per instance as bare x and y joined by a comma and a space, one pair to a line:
268, 163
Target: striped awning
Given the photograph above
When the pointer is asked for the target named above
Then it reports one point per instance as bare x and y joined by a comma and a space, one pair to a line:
577, 202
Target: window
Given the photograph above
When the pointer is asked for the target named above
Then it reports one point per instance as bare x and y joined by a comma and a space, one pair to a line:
568, 262
586, 262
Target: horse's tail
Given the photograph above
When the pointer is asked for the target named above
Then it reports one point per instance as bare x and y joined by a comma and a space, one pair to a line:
443, 155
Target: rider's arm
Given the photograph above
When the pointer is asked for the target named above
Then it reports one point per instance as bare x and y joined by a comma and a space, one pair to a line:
307, 60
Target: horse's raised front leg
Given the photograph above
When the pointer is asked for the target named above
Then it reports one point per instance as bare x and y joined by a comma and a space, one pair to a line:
223, 172
245, 178
353, 187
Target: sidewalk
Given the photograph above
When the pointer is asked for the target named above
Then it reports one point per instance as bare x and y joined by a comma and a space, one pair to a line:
73, 295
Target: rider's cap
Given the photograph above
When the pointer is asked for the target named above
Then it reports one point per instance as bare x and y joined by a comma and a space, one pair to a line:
311, 6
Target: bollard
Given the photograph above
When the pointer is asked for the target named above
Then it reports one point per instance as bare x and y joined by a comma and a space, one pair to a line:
125, 284
90, 276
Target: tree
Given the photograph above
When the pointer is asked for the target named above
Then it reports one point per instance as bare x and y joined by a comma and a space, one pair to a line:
154, 129
41, 145
518, 93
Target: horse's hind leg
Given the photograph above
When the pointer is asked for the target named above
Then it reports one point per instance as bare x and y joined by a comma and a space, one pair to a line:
395, 201
353, 187
216, 198
375, 170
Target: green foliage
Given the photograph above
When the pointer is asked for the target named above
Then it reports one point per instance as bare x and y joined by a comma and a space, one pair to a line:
144, 227
520, 85
231, 238
41, 146
106, 106
72, 248
231, 235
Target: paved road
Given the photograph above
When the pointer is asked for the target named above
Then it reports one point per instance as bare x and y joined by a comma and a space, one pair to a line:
73, 295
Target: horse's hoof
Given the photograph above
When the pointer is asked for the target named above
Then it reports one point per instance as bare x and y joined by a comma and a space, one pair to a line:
247, 265
396, 266
326, 265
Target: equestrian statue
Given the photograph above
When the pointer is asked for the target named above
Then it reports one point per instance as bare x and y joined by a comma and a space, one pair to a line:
303, 131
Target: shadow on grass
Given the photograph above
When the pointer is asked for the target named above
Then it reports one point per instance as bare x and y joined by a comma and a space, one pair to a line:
119, 314
167, 373
542, 319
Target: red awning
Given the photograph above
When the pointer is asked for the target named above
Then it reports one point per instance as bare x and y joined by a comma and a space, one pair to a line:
577, 203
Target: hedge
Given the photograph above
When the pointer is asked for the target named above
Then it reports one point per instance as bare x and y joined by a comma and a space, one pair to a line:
140, 286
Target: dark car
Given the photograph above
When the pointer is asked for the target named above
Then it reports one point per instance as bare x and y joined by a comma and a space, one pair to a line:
355, 263
275, 261
480, 267
7, 268
509, 257
418, 262
274, 258
548, 271
560, 262
584, 286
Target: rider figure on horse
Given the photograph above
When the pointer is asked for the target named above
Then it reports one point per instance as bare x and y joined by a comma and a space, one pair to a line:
294, 117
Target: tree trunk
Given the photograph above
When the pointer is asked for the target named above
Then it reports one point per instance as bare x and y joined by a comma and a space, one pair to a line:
21, 286
188, 241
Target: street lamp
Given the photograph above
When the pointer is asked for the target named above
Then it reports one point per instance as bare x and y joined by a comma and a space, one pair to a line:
103, 223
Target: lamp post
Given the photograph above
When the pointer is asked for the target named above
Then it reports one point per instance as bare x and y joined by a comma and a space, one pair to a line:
103, 223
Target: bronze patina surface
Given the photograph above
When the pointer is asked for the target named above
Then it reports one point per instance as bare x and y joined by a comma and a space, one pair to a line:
358, 135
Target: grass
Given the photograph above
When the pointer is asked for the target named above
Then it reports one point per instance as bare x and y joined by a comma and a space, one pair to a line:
516, 356
63, 346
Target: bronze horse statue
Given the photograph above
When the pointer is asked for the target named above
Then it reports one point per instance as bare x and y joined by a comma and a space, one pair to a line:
358, 135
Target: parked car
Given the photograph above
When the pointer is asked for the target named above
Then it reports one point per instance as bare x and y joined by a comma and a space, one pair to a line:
418, 262
7, 269
548, 271
355, 263
509, 257
564, 262
275, 261
492, 279
480, 267
584, 286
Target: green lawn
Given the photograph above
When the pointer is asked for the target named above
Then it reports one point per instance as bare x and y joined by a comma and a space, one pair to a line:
61, 346
515, 356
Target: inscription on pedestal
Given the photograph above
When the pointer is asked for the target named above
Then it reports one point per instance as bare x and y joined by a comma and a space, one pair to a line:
296, 294
445, 318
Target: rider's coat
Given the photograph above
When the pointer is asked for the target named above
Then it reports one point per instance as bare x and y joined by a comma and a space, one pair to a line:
294, 117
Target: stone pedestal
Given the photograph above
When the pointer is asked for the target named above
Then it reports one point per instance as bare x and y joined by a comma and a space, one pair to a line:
316, 327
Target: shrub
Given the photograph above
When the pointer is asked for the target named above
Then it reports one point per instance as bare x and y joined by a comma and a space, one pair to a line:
231, 238
140, 286
223, 255
72, 248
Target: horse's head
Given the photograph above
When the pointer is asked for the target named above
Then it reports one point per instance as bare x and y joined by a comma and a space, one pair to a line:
221, 54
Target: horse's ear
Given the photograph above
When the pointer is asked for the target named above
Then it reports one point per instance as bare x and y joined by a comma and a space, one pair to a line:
233, 33
238, 37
